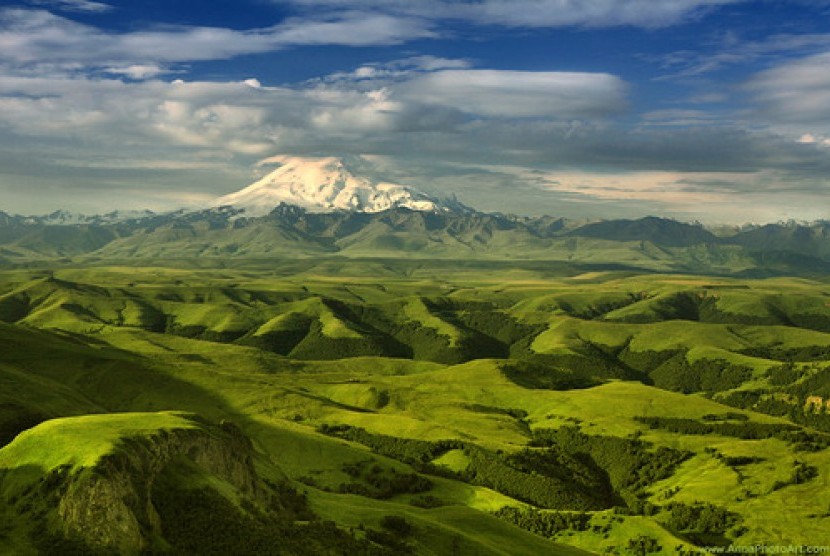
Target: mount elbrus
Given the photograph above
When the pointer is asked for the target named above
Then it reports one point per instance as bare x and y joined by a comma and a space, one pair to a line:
324, 185
311, 207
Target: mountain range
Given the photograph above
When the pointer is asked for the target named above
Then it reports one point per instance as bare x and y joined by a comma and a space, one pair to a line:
321, 207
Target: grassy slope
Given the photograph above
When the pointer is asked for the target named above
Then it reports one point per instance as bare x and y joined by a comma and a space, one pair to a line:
279, 401
430, 404
81, 441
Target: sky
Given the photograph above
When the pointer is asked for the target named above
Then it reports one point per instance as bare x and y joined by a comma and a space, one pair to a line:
709, 110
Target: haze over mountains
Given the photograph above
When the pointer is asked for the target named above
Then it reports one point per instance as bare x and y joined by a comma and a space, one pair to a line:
323, 206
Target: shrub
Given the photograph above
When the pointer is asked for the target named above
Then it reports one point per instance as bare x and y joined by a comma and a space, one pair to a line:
397, 525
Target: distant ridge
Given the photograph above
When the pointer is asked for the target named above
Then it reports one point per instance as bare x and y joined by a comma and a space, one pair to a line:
651, 228
290, 231
806, 239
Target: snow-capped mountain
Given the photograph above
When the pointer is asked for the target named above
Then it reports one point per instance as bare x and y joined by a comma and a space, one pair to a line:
66, 218
324, 185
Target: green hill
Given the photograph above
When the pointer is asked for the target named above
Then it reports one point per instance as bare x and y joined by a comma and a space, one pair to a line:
445, 408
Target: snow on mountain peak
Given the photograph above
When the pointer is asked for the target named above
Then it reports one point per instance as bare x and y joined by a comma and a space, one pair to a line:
325, 184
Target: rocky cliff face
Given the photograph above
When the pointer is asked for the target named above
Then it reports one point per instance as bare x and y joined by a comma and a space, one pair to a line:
108, 507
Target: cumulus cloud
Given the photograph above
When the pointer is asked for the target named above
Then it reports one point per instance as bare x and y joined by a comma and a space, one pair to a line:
248, 117
431, 122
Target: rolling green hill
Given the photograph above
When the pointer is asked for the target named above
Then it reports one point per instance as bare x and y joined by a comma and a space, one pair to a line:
443, 409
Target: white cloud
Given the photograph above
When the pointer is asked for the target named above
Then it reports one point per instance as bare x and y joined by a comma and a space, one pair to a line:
592, 13
810, 139
681, 117
712, 197
428, 85
430, 63
402, 69
138, 71
61, 88
732, 51
351, 29
38, 37
795, 93
74, 5
519, 93
90, 116
538, 13
668, 188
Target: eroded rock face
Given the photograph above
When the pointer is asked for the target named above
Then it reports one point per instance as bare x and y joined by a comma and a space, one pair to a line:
109, 506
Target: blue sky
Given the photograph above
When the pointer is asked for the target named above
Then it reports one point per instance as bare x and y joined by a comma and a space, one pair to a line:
717, 110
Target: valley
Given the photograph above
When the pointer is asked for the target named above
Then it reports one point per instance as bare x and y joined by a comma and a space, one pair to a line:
394, 406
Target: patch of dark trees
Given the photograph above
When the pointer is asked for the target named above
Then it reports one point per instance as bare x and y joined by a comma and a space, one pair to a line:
201, 521
563, 469
702, 524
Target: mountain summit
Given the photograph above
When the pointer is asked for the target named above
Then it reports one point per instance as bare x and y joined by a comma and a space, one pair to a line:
324, 185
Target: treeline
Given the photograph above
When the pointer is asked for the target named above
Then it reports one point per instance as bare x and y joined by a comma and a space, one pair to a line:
643, 545
802, 472
631, 464
783, 375
816, 384
14, 419
484, 331
318, 346
799, 354
201, 521
539, 480
744, 430
764, 401
703, 375
545, 523
538, 374
491, 410
406, 450
669, 370
562, 469
702, 524
393, 534
376, 481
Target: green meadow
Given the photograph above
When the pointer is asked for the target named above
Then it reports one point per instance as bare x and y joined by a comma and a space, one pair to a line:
409, 407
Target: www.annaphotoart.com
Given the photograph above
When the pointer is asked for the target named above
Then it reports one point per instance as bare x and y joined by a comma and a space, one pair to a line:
767, 549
